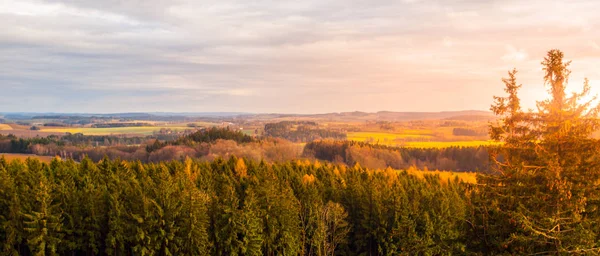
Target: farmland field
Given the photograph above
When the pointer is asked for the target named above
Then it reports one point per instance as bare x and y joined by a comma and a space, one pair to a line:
141, 130
416, 138
9, 157
5, 127
445, 144
387, 138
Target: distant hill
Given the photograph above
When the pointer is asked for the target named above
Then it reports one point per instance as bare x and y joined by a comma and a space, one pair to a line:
488, 117
405, 116
466, 115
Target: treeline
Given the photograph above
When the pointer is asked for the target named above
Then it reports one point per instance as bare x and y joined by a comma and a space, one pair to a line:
209, 135
13, 144
460, 159
469, 132
226, 207
206, 145
300, 131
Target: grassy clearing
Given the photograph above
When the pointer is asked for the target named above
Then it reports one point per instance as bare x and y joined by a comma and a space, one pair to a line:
249, 132
23, 157
144, 130
5, 127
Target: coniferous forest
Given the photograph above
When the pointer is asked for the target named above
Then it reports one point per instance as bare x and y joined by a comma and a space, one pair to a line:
542, 198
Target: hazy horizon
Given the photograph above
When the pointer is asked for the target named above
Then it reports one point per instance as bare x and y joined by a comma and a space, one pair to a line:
285, 57
209, 113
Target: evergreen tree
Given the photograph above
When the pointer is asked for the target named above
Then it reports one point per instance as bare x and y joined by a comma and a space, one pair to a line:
545, 198
336, 227
43, 223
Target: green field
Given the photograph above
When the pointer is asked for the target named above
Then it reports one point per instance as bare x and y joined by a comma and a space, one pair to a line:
143, 130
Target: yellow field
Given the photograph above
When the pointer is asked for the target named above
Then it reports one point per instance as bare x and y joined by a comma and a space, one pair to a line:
446, 144
424, 138
387, 138
23, 157
467, 177
144, 130
5, 127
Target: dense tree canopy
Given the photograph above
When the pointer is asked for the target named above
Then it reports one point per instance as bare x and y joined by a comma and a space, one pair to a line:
225, 207
461, 159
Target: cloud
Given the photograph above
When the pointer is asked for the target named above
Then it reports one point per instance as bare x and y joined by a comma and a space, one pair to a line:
278, 56
447, 41
514, 55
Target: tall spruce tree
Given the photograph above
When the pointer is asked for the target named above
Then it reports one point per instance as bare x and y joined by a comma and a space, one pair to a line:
545, 198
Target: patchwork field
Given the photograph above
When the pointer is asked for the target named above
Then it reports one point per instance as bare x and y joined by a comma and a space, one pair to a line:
23, 157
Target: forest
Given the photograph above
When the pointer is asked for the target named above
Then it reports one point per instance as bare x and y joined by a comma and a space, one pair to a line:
225, 207
301, 132
540, 197
458, 159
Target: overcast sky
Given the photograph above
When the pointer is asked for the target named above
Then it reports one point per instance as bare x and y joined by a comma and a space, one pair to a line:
308, 56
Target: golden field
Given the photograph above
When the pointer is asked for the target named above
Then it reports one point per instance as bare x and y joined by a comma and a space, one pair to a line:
418, 138
5, 127
23, 157
446, 144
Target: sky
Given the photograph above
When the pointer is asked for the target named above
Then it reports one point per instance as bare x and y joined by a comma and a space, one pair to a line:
309, 56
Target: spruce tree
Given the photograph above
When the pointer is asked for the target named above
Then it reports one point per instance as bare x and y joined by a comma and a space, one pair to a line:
545, 197
43, 223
